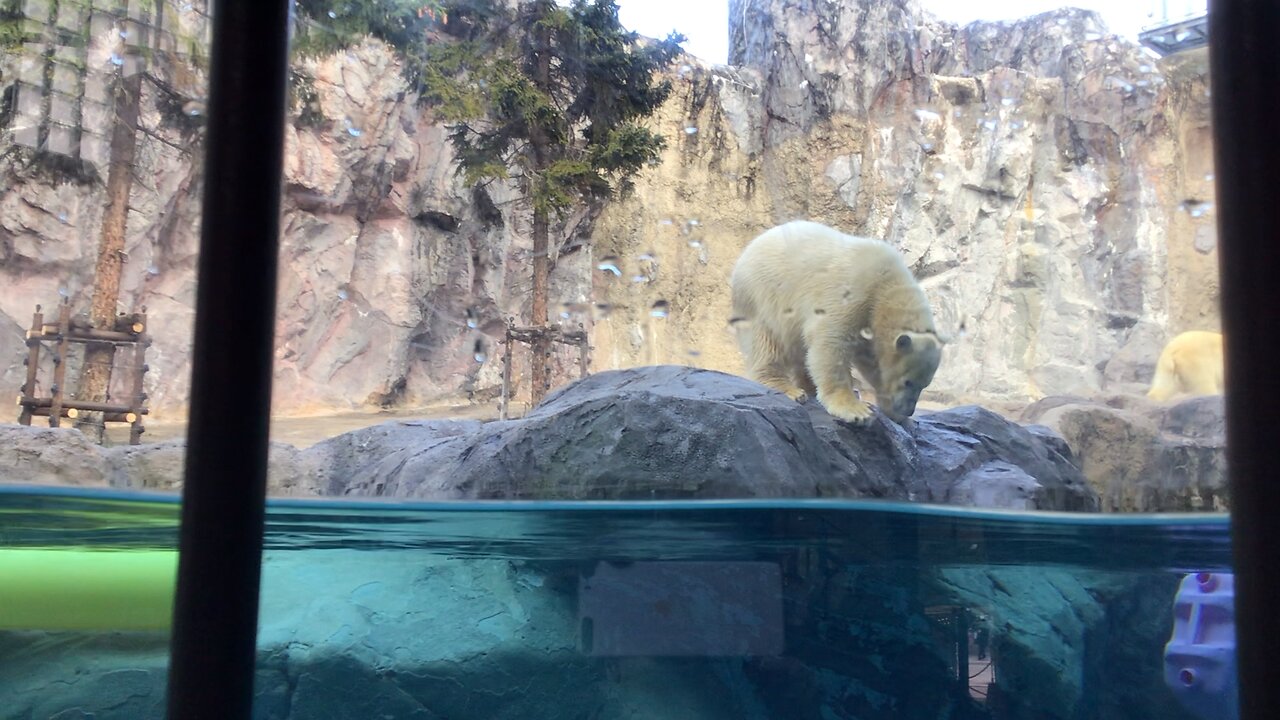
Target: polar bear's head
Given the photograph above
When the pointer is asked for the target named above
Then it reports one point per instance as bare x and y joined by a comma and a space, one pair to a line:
907, 364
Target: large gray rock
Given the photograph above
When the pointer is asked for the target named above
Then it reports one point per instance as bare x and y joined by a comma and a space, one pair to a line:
1142, 456
50, 456
673, 432
662, 432
34, 455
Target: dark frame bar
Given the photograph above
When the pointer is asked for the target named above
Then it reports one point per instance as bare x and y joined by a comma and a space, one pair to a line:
1244, 65
216, 606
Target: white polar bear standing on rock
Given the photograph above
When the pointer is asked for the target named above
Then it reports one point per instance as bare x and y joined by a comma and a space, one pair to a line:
810, 301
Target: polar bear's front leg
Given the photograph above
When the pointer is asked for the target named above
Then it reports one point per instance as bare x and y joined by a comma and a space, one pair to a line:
827, 359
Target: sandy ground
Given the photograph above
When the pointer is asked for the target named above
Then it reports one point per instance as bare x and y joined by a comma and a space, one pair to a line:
304, 432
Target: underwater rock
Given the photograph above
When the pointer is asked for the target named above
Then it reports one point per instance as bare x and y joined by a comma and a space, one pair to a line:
1145, 457
671, 432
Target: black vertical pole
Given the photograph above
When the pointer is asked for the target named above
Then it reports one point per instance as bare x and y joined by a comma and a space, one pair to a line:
220, 544
1244, 57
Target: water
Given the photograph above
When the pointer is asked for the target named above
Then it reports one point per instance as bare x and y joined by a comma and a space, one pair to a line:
786, 609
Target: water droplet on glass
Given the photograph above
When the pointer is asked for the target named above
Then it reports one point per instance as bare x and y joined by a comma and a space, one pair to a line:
471, 318
193, 108
691, 130
354, 132
1196, 208
1006, 101
481, 357
63, 292
660, 309
333, 15
342, 294
1127, 87
926, 146
564, 314
609, 264
62, 217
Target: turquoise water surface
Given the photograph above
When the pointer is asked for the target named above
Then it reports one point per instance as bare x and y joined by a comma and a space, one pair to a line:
733, 609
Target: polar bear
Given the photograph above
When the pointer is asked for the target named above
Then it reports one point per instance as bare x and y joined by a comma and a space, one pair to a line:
809, 302
1191, 363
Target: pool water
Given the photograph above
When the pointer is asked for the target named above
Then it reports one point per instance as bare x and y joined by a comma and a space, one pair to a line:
593, 611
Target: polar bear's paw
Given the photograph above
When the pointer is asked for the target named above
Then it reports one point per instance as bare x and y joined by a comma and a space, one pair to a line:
849, 409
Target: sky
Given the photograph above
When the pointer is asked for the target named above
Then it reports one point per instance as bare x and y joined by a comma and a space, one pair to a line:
706, 22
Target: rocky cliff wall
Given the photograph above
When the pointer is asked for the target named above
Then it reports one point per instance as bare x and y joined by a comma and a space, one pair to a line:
1049, 183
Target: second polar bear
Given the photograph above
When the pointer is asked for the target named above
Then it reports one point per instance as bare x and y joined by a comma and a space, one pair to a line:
809, 302
1191, 363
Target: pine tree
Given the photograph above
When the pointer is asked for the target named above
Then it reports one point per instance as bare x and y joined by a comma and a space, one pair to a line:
553, 96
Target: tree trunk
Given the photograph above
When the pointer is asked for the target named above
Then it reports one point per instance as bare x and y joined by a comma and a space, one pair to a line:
541, 345
95, 376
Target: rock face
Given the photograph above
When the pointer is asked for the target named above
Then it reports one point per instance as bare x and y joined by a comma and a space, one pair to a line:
647, 433
1034, 175
1045, 179
1142, 457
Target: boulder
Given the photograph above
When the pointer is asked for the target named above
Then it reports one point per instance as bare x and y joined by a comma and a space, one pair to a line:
673, 432
1141, 456
656, 433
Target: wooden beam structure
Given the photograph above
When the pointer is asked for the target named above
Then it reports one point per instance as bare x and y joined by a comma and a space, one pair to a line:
128, 330
530, 336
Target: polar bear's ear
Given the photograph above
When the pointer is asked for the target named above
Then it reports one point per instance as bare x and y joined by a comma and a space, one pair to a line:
904, 342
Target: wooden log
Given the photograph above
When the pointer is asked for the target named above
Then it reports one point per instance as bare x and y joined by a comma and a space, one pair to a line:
85, 405
33, 365
133, 323
139, 374
506, 376
50, 332
72, 413
60, 365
